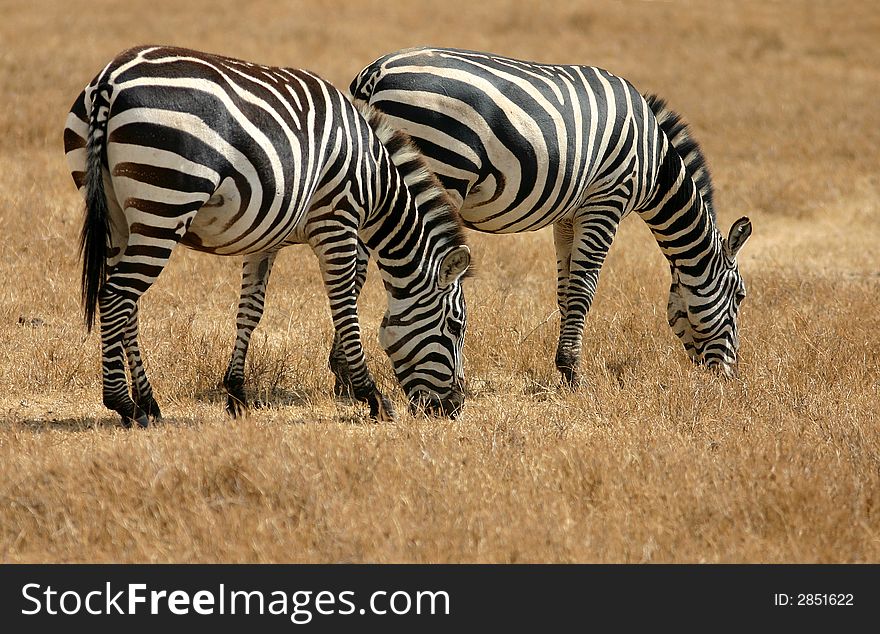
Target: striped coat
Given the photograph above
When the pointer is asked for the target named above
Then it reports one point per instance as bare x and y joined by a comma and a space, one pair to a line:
171, 146
521, 146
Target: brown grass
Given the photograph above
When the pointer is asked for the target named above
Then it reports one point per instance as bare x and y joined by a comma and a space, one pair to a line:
652, 461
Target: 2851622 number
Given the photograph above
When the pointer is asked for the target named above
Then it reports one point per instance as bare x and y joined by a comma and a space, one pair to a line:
824, 599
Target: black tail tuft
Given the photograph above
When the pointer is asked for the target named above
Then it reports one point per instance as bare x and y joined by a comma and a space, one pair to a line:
679, 135
96, 224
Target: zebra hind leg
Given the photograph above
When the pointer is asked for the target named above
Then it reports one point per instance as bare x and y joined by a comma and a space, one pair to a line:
116, 310
138, 268
254, 278
567, 357
142, 391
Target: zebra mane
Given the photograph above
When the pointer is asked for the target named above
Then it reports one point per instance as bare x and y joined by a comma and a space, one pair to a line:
679, 135
424, 186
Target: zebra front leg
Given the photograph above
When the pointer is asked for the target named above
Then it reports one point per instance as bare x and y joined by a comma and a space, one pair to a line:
343, 387
337, 252
563, 235
363, 386
588, 240
364, 389
142, 391
255, 273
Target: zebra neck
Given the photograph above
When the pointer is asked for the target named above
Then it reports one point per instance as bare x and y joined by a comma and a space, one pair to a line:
413, 224
399, 239
683, 224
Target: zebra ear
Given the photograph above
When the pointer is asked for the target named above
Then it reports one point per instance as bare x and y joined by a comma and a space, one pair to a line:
739, 233
454, 265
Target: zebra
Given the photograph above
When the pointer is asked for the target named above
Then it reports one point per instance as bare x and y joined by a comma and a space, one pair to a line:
174, 146
521, 146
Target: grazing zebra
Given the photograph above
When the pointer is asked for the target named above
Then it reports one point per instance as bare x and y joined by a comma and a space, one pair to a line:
521, 146
172, 146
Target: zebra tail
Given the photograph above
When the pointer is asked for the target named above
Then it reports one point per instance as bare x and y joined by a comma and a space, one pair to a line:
96, 223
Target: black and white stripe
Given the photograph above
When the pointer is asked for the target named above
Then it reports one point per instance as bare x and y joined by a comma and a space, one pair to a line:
521, 146
173, 146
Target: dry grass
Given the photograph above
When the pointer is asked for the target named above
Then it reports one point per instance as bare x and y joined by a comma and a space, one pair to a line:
652, 461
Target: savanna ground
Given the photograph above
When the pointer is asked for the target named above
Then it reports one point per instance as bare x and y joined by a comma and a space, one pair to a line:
652, 460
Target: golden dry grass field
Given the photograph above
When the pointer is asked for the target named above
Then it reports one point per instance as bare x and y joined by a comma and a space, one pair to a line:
652, 460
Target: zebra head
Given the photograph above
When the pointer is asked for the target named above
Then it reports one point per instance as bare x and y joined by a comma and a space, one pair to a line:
705, 317
423, 336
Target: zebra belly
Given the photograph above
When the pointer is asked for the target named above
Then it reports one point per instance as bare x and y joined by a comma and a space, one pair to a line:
223, 225
488, 219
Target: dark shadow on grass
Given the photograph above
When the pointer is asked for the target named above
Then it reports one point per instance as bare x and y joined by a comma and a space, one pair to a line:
347, 412
282, 398
261, 399
101, 423
356, 415
67, 424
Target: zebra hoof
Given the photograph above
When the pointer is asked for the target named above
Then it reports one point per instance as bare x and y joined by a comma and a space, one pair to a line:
151, 408
140, 418
570, 379
568, 363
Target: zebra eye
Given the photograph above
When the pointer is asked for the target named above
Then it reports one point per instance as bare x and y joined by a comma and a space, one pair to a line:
454, 327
